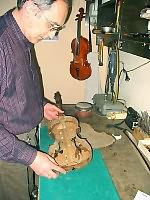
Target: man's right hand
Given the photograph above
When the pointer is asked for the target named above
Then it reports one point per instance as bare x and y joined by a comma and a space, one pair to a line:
45, 165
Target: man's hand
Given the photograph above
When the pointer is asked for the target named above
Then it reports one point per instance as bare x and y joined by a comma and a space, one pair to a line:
44, 165
51, 111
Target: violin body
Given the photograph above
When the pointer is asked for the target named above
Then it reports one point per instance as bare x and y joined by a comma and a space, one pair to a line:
80, 69
69, 150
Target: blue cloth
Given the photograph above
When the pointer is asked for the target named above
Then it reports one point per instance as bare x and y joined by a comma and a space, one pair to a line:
92, 182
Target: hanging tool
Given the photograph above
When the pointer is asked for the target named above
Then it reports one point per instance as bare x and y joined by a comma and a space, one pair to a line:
100, 50
112, 67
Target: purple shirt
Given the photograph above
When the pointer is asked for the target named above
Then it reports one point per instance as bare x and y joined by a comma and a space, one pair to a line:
21, 100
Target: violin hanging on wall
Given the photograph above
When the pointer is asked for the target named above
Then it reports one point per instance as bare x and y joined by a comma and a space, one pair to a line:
80, 69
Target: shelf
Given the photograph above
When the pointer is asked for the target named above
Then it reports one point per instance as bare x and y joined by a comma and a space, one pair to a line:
137, 38
108, 3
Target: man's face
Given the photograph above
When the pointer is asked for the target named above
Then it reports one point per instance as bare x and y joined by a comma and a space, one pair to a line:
42, 24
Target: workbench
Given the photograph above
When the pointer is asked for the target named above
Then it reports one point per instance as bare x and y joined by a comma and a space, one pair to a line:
114, 173
90, 182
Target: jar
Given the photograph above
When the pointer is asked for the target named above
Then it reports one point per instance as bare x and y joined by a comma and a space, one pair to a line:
83, 109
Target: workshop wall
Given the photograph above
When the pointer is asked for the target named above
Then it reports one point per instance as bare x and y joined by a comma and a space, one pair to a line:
6, 6
54, 59
136, 92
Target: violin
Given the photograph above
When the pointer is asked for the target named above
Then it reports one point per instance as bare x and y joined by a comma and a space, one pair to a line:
80, 69
69, 150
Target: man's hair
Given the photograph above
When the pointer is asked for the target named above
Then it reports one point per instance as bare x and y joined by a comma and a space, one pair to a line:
40, 3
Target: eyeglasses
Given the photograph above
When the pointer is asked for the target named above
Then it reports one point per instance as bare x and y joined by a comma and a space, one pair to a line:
53, 26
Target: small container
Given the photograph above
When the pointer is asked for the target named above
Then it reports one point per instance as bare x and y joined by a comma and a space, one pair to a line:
83, 109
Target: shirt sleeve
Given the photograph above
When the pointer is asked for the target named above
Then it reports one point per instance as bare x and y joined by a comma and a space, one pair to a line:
3, 70
14, 150
45, 101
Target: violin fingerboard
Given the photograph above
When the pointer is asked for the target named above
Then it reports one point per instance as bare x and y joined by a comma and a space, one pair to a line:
58, 99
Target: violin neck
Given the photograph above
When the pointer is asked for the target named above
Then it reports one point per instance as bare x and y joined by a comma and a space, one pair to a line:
78, 37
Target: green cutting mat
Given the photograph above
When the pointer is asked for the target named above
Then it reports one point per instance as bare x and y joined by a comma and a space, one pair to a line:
92, 182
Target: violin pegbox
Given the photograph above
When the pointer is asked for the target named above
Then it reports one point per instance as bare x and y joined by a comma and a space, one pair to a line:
81, 14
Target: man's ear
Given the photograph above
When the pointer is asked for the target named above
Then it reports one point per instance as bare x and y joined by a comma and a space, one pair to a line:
30, 8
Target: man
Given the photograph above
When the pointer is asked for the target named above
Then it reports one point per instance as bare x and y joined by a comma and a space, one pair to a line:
21, 102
